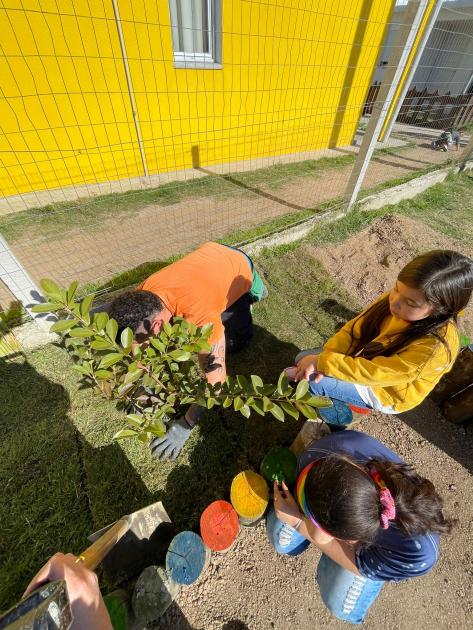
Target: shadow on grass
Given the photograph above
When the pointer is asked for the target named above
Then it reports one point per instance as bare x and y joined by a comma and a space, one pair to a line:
227, 443
44, 507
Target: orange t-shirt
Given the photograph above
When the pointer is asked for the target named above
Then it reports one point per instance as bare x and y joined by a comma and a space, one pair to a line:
203, 284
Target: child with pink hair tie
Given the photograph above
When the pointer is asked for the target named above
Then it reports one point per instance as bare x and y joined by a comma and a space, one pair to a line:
373, 517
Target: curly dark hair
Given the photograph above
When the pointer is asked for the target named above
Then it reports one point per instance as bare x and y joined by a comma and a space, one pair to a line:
133, 308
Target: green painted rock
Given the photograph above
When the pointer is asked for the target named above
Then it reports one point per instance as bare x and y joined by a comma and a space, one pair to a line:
279, 463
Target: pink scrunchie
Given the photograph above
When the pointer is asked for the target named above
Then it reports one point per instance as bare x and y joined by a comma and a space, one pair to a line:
388, 512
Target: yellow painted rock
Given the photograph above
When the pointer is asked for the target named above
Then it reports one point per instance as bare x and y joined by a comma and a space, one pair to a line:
249, 495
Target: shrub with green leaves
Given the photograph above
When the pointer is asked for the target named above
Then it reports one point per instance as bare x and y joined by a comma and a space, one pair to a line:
158, 379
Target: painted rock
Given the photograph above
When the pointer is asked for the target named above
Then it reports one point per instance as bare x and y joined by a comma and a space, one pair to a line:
187, 558
279, 464
219, 526
249, 495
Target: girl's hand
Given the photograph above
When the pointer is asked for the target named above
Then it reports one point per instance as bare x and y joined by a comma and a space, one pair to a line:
87, 606
306, 367
285, 505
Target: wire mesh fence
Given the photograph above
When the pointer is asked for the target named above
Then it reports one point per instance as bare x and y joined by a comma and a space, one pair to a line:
133, 131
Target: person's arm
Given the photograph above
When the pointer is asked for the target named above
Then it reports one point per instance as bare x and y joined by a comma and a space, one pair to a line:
213, 362
397, 369
87, 605
287, 511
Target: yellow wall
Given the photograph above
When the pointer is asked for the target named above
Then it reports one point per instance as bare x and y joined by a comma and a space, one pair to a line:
294, 78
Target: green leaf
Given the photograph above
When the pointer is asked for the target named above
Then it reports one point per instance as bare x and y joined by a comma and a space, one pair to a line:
101, 344
167, 329
206, 330
110, 359
243, 383
257, 382
245, 411
227, 402
81, 369
180, 355
317, 401
81, 333
204, 346
267, 404
50, 288
103, 374
135, 419
277, 412
63, 324
125, 433
100, 320
283, 384
143, 437
123, 391
238, 403
290, 410
133, 376
257, 405
157, 428
47, 307
158, 344
111, 329
211, 402
306, 410
85, 306
70, 293
126, 338
302, 389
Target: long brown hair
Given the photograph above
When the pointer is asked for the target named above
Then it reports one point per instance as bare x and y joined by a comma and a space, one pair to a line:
345, 500
445, 278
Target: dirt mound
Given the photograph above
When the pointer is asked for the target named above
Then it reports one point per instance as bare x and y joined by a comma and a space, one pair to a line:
367, 263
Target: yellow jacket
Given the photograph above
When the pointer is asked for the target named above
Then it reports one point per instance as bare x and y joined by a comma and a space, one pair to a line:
400, 381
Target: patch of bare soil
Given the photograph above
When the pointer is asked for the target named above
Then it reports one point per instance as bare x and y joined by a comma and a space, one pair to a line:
252, 588
368, 262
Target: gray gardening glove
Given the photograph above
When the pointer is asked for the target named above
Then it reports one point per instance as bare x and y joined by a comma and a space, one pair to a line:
169, 446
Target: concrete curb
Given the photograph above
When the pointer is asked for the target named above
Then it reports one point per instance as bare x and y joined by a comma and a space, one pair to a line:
410, 189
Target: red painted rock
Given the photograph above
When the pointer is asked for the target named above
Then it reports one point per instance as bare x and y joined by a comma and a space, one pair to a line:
219, 526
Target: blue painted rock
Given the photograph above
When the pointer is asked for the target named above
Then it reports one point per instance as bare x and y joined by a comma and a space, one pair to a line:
187, 558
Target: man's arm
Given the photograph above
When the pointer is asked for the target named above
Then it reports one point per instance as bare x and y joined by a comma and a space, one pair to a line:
213, 362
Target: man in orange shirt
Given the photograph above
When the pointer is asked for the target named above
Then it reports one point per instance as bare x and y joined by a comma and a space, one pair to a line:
216, 284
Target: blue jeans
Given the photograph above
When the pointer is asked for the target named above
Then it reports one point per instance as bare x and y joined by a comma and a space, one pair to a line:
340, 393
346, 595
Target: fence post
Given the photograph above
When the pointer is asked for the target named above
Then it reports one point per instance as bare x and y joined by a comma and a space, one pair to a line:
129, 83
403, 45
16, 278
466, 153
410, 76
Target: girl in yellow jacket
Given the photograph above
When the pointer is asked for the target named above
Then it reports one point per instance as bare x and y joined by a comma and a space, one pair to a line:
393, 354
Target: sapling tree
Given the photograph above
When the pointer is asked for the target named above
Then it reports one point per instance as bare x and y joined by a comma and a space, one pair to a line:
155, 380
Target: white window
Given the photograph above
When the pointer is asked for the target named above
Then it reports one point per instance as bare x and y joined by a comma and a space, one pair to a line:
195, 37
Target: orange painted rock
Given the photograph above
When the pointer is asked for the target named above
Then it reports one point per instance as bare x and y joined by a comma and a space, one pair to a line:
219, 526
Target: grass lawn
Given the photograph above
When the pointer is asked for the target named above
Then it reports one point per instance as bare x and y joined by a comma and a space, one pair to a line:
63, 478
49, 220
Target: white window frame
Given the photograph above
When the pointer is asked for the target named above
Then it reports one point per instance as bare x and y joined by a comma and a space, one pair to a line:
212, 59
